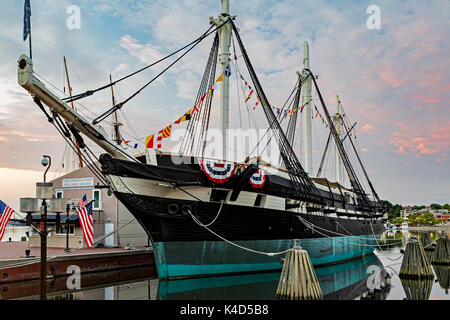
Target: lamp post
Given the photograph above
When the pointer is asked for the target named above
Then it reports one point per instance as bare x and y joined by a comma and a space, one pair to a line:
67, 228
44, 191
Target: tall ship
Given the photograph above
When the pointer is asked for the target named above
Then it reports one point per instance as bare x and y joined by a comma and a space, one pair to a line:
210, 215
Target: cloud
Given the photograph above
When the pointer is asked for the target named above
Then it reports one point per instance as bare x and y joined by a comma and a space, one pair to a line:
367, 128
390, 78
422, 141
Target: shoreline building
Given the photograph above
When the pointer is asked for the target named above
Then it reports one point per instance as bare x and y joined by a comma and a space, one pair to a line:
108, 214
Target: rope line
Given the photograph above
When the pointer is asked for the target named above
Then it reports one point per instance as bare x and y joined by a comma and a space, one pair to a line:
270, 254
91, 92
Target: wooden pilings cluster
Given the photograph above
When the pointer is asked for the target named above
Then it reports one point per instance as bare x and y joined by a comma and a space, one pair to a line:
298, 279
415, 264
441, 254
443, 276
417, 289
426, 241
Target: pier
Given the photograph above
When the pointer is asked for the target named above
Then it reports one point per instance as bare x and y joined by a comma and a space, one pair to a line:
15, 266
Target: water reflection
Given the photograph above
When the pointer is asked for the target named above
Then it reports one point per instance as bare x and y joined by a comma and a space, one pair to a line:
443, 276
57, 288
417, 289
345, 281
373, 277
391, 257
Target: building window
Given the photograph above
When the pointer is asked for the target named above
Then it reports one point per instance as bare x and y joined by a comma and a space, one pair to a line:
96, 195
62, 229
59, 194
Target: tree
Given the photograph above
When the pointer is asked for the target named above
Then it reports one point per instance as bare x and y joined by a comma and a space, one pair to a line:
425, 218
412, 219
397, 221
421, 219
446, 206
435, 206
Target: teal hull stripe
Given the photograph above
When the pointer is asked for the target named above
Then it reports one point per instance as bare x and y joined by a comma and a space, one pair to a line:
216, 257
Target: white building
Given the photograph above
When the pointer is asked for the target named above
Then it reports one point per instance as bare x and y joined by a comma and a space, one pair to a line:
109, 214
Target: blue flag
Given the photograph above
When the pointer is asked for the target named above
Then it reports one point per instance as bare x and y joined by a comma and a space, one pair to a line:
26, 20
228, 71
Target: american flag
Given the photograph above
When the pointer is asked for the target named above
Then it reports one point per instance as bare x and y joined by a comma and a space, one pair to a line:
87, 223
5, 213
82, 202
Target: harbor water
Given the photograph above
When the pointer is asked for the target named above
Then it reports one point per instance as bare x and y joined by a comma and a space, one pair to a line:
373, 277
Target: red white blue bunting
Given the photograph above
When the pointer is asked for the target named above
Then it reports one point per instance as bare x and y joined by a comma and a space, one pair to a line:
258, 179
218, 172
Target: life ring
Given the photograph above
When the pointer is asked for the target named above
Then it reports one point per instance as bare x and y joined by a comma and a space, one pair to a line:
219, 172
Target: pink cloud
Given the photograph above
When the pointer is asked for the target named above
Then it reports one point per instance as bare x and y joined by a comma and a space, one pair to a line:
367, 128
425, 140
426, 99
390, 79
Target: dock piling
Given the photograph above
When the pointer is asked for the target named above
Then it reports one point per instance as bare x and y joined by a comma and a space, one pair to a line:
443, 276
415, 264
441, 254
426, 241
298, 280
417, 289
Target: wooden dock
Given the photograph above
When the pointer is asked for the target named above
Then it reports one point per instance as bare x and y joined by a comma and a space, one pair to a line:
15, 267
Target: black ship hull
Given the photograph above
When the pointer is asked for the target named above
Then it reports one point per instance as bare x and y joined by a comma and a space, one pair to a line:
197, 238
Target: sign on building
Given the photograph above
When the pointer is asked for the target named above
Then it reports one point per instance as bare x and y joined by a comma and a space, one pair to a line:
78, 182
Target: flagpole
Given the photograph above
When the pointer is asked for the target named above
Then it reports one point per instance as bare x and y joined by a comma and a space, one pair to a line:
31, 53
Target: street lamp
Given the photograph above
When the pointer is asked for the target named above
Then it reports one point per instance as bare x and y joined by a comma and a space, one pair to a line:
44, 191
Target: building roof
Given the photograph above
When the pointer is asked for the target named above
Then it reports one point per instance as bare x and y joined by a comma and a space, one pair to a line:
52, 218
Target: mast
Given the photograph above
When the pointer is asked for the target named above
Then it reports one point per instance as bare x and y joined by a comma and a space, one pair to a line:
337, 124
306, 101
80, 159
117, 138
27, 80
224, 60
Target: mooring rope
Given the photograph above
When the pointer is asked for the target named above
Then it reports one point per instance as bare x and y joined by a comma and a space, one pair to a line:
217, 216
310, 225
381, 250
270, 254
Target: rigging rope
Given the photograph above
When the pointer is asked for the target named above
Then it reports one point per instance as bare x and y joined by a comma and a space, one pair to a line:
91, 92
303, 186
361, 195
121, 104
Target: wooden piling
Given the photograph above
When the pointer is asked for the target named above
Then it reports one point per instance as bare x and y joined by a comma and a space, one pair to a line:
441, 254
415, 264
417, 289
443, 276
298, 280
426, 241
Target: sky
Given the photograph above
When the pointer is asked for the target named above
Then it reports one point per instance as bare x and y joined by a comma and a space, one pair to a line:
392, 81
